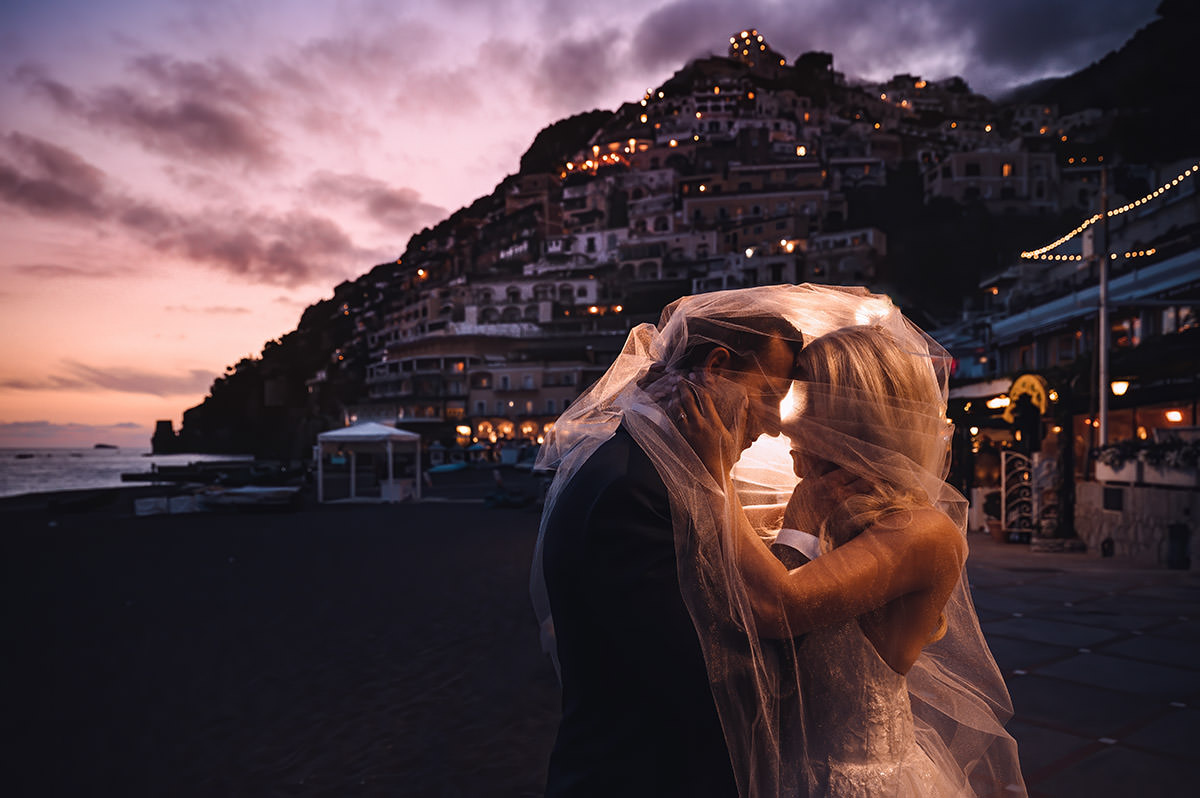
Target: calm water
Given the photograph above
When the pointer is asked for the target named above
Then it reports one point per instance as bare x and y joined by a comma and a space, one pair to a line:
76, 469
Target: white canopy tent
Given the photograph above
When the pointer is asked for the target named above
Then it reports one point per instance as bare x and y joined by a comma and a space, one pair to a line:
372, 437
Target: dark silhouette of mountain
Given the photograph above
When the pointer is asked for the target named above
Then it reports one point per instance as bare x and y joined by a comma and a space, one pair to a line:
1150, 80
556, 143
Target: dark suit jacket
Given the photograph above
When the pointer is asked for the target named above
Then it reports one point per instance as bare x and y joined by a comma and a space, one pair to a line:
638, 714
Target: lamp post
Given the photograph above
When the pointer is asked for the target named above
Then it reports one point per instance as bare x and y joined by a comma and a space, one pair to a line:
1103, 332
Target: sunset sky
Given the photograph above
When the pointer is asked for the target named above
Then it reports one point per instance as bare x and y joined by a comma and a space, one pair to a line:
180, 178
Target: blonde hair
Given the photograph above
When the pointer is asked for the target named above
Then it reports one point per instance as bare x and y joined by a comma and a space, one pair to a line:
877, 411
887, 407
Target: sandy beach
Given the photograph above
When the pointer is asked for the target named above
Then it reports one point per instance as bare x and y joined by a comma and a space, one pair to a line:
335, 650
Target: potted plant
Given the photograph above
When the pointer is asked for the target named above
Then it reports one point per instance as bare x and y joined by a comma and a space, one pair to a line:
1118, 462
1166, 460
991, 514
1170, 461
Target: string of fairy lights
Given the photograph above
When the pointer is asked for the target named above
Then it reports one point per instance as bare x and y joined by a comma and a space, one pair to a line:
1042, 252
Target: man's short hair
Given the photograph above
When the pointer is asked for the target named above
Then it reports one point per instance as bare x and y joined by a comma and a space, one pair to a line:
743, 336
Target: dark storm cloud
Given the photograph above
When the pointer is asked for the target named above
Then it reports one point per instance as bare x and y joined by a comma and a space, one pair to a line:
1028, 38
993, 44
396, 208
686, 29
194, 109
48, 180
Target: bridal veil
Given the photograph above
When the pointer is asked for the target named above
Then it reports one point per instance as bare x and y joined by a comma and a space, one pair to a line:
958, 698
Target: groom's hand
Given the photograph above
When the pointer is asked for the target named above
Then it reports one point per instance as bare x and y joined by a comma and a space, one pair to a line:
711, 413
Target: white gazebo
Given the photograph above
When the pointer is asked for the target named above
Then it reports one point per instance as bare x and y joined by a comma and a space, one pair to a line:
370, 437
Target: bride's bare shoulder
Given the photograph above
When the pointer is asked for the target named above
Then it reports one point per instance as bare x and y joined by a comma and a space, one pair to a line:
939, 535
927, 534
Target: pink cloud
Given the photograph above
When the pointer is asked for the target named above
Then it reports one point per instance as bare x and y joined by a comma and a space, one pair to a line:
45, 179
392, 207
123, 379
209, 110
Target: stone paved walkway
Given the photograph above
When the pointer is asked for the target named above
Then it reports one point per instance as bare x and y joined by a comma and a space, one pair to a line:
1103, 662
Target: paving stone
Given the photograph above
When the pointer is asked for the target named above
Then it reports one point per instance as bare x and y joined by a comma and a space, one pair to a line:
1089, 616
1117, 772
1175, 733
1180, 595
1129, 616
1045, 631
1039, 747
1179, 630
1165, 651
1098, 584
1008, 604
1126, 675
1076, 708
1044, 594
1011, 653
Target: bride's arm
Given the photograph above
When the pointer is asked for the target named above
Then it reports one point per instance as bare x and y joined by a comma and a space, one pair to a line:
878, 566
881, 564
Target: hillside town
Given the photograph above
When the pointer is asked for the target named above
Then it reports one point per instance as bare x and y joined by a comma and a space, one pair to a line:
996, 226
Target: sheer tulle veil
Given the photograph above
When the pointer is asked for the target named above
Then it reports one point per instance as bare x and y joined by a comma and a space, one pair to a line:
899, 446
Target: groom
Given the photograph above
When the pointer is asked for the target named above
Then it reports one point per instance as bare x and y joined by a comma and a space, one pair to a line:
638, 713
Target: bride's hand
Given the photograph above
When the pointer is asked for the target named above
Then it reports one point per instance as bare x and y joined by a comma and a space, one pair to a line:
819, 494
707, 427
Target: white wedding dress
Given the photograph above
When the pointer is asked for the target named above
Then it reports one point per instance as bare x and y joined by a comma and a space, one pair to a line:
858, 722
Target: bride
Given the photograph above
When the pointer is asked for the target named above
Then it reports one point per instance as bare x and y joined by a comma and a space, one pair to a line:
867, 673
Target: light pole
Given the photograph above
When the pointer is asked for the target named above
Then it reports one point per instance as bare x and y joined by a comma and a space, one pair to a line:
1102, 334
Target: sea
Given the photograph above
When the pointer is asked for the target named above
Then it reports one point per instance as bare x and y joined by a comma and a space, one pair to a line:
37, 470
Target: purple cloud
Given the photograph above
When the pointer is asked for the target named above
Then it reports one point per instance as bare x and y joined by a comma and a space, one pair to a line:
289, 249
82, 377
212, 310
210, 110
48, 433
994, 44
48, 180
56, 271
573, 72
394, 208
132, 380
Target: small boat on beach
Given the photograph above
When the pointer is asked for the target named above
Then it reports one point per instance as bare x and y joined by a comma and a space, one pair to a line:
446, 468
250, 497
220, 472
